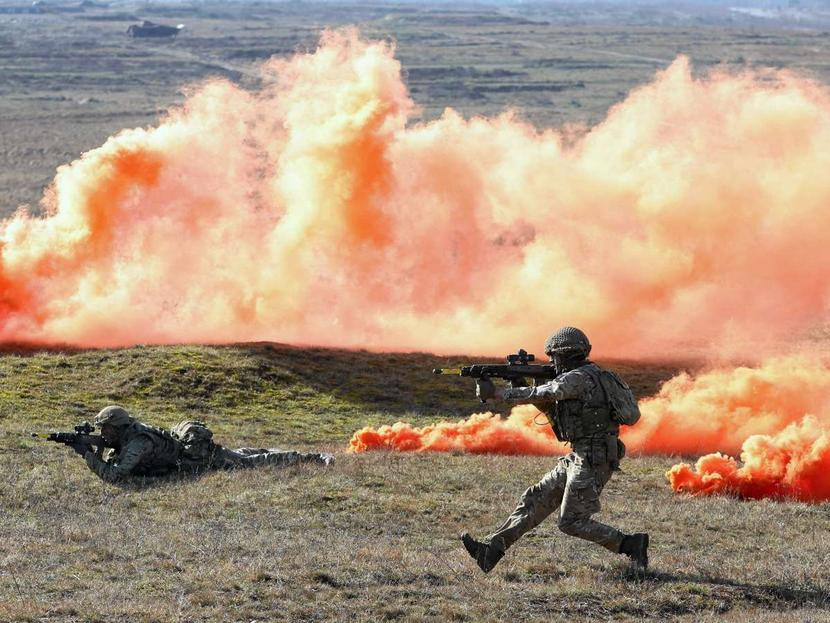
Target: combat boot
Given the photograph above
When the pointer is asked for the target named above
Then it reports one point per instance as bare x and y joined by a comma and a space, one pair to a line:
486, 555
635, 546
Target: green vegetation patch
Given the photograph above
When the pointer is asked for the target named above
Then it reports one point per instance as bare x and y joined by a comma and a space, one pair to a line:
257, 393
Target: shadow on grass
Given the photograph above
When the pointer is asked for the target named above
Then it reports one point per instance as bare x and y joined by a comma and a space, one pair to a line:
403, 383
187, 477
761, 594
30, 349
146, 483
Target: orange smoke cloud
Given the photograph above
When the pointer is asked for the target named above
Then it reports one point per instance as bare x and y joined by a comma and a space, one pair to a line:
718, 410
312, 211
781, 409
793, 464
524, 431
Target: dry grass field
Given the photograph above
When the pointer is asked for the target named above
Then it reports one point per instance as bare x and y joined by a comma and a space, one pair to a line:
373, 538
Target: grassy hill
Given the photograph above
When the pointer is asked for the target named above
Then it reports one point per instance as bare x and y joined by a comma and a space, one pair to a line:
266, 392
372, 539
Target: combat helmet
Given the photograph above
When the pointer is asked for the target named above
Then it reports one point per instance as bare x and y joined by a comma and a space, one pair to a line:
568, 342
114, 416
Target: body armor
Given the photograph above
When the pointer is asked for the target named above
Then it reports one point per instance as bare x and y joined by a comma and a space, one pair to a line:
165, 451
586, 422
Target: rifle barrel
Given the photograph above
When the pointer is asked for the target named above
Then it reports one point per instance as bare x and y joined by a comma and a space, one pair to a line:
446, 371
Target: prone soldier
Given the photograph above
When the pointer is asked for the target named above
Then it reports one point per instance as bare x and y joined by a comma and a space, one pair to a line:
139, 450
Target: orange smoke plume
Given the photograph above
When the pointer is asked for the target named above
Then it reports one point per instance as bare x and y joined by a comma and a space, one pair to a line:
793, 464
524, 431
717, 410
312, 211
781, 409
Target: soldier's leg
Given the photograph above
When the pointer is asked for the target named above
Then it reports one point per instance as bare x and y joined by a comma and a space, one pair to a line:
289, 457
250, 457
536, 503
581, 501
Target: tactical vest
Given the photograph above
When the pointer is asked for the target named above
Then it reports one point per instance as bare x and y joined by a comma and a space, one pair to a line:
585, 418
166, 452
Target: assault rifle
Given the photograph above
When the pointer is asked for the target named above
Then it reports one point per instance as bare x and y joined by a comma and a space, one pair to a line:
517, 370
81, 441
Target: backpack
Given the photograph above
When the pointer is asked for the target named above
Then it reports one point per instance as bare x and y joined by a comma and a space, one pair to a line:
196, 439
624, 409
192, 431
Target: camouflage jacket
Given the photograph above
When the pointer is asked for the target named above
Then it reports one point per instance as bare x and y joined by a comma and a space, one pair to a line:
575, 403
142, 451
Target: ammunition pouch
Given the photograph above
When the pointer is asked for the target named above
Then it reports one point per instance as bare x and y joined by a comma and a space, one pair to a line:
604, 450
616, 452
572, 421
598, 451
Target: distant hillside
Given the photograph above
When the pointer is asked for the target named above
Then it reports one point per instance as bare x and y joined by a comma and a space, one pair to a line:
269, 391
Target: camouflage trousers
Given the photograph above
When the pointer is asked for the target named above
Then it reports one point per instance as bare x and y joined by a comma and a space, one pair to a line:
224, 458
573, 488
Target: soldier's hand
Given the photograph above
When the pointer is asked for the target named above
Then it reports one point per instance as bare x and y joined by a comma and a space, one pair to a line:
485, 390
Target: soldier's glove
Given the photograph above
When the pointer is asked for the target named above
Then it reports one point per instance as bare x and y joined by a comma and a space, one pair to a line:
485, 390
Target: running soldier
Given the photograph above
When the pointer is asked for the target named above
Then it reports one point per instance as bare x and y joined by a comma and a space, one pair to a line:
585, 405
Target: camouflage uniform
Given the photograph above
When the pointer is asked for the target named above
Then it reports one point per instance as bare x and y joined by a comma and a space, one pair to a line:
579, 408
225, 458
199, 451
139, 450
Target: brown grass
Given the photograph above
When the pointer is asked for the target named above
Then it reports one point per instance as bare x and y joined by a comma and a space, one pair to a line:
373, 538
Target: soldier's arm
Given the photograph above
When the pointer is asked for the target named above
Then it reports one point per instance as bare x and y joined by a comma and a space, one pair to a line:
564, 387
120, 468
